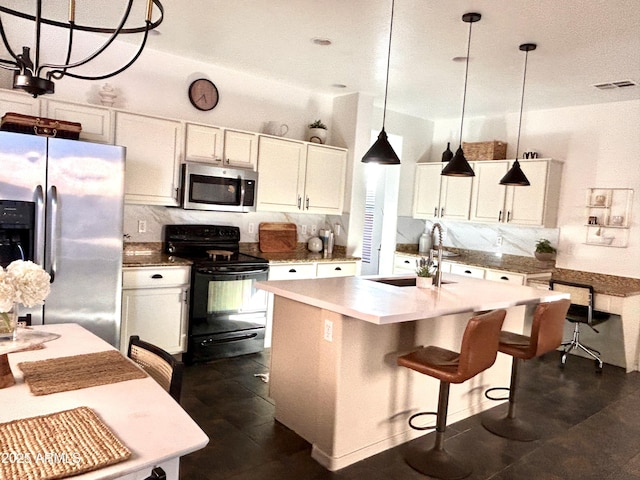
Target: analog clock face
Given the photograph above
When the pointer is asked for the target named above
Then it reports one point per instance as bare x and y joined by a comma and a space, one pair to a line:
203, 94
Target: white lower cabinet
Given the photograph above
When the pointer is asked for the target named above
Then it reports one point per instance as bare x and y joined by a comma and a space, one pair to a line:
154, 306
502, 276
460, 269
404, 263
292, 271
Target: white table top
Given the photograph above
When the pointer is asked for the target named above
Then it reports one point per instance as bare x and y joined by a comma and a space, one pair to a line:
378, 303
140, 413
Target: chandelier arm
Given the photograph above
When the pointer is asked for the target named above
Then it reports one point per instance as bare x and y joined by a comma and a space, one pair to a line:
58, 76
97, 52
86, 28
6, 42
13, 66
108, 75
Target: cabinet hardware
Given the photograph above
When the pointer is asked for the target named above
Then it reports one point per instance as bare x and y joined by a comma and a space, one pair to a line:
508, 216
156, 275
338, 269
468, 271
500, 216
292, 270
441, 212
157, 473
299, 201
504, 278
307, 202
435, 211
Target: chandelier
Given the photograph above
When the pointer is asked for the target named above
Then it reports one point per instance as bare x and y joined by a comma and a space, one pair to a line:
37, 78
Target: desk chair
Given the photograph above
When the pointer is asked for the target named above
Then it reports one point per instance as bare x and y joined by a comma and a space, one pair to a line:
160, 365
478, 352
546, 336
580, 311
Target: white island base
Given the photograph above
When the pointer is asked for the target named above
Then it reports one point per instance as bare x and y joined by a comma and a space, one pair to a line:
334, 377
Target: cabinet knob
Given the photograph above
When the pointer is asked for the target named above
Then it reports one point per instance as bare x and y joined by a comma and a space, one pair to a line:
504, 278
468, 272
156, 275
338, 269
292, 270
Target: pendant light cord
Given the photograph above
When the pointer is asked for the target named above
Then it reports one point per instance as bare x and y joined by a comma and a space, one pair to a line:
524, 79
466, 74
386, 85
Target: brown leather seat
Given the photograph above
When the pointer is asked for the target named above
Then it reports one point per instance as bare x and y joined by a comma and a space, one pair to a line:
546, 336
478, 351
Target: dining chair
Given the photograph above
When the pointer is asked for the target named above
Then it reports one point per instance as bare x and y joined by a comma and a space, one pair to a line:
158, 364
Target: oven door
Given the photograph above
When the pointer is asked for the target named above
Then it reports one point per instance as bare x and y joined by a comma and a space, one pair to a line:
228, 314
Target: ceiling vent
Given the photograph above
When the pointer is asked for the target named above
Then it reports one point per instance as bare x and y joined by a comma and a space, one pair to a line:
619, 84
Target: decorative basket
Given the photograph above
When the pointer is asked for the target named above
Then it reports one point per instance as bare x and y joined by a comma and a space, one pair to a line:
494, 150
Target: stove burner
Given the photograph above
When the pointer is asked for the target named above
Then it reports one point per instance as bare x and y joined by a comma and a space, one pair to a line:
213, 254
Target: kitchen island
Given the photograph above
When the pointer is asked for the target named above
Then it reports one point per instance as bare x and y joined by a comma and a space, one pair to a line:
333, 371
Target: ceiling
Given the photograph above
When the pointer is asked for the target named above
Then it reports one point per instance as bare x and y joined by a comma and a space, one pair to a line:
580, 43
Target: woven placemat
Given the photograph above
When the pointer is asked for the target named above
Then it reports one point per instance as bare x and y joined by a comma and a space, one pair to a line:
58, 445
78, 371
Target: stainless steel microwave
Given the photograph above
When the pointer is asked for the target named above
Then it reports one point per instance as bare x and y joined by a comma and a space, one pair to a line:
208, 187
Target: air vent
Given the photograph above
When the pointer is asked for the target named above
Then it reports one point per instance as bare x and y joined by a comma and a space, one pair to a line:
618, 84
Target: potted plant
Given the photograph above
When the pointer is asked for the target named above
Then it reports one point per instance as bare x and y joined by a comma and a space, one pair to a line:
425, 270
317, 132
544, 250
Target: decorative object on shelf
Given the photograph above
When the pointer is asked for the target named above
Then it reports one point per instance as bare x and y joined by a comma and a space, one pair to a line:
544, 250
600, 200
425, 270
25, 283
317, 132
493, 150
515, 176
108, 95
447, 155
276, 129
617, 220
36, 77
458, 166
315, 244
381, 151
203, 94
530, 154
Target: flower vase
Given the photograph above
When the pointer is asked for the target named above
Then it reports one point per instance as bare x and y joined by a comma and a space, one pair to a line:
424, 282
8, 323
317, 135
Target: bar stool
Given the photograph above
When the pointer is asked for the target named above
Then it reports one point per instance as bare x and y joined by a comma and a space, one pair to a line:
546, 335
478, 352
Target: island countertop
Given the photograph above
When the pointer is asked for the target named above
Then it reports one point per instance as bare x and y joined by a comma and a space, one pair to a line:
366, 299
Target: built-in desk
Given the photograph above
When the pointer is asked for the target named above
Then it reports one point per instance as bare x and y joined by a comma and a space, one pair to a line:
619, 337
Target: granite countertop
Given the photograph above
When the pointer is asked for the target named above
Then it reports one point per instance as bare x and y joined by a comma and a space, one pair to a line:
604, 284
511, 263
151, 255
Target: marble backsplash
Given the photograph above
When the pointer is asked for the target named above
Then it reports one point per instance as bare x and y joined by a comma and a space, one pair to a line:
516, 240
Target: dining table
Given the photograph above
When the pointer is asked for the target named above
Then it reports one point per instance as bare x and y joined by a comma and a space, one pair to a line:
123, 423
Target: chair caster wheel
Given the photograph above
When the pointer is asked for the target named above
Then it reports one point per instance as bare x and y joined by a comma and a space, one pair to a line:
598, 366
563, 360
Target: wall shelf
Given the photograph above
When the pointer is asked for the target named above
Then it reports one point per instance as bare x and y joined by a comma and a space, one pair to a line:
608, 212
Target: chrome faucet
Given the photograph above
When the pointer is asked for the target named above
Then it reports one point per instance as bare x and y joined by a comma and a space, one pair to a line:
437, 279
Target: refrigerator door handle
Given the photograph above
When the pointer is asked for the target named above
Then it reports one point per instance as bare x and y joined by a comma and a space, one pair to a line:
52, 241
39, 220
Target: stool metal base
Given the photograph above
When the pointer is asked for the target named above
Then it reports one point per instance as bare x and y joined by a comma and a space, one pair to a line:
437, 463
511, 428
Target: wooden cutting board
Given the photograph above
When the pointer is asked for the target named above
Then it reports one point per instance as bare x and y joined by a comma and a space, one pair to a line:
277, 237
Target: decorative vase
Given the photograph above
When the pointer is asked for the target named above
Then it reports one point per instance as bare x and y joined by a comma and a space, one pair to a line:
447, 155
424, 282
8, 322
317, 135
108, 95
544, 256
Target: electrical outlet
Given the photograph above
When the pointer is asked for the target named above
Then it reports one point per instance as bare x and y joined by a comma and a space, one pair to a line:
142, 226
251, 228
314, 229
499, 241
328, 330
304, 229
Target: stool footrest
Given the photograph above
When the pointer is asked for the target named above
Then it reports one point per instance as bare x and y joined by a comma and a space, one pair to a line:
490, 390
420, 414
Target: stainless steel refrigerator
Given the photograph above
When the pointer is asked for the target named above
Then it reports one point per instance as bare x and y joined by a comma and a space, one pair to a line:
77, 192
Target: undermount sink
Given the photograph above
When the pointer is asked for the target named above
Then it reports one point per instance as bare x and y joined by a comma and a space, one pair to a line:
401, 282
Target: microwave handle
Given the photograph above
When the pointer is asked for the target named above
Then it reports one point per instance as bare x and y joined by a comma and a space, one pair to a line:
243, 190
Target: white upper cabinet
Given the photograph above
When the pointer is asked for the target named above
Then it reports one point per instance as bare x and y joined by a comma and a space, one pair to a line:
97, 122
18, 102
203, 143
299, 177
535, 205
152, 168
240, 149
438, 197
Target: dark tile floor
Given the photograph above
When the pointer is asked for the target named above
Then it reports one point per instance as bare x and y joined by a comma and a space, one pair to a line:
590, 427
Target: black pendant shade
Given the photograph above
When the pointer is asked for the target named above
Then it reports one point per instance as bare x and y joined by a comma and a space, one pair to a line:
458, 166
381, 152
515, 176
447, 155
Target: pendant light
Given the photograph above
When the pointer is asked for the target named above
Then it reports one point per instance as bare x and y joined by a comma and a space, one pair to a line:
458, 166
381, 151
515, 176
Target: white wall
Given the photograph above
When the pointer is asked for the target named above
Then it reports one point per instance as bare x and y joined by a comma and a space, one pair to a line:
599, 146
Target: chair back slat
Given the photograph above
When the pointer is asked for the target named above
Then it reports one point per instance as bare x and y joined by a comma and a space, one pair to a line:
580, 294
158, 364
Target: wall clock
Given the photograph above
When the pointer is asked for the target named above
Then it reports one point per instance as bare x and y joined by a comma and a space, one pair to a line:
203, 94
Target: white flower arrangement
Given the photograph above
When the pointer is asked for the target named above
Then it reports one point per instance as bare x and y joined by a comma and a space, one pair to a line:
23, 282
